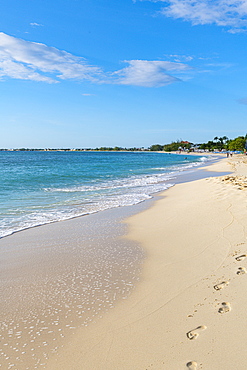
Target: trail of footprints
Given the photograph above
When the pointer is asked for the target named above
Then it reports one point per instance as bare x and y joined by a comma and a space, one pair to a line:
225, 308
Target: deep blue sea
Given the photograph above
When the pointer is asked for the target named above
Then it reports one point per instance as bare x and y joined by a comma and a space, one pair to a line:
42, 187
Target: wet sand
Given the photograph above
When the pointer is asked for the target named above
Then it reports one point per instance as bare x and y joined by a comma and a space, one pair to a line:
57, 278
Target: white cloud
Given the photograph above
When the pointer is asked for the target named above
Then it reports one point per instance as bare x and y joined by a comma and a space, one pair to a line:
20, 59
19, 71
220, 65
230, 13
27, 60
180, 58
34, 24
149, 73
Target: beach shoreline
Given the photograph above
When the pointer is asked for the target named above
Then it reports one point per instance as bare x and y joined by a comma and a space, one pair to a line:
188, 309
150, 328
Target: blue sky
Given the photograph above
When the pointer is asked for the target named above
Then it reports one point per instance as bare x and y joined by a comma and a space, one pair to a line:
88, 73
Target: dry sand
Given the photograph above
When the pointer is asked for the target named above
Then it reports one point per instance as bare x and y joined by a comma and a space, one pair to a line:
189, 309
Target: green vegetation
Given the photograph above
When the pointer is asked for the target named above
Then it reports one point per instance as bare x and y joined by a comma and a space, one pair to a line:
156, 148
174, 146
223, 143
217, 144
237, 144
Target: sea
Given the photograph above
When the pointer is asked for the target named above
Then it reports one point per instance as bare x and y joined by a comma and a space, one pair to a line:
41, 187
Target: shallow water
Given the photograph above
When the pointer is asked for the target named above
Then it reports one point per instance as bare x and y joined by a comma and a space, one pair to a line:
42, 187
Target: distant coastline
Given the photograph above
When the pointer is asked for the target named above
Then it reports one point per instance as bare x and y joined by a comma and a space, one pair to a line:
218, 144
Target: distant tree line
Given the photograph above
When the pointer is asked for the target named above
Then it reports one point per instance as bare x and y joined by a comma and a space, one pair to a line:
118, 149
218, 143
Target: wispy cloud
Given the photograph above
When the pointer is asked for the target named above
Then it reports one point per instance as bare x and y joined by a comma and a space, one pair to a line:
219, 65
34, 24
27, 60
181, 58
149, 73
229, 13
20, 59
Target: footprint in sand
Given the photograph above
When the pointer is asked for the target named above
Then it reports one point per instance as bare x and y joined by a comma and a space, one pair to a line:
226, 307
221, 285
241, 271
192, 334
192, 365
241, 258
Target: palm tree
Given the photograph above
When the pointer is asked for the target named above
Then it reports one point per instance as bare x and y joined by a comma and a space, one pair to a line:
221, 140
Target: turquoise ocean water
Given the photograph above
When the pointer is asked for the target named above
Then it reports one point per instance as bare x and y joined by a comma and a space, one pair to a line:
42, 187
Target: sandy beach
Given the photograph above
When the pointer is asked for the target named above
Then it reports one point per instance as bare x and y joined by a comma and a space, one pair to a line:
188, 309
